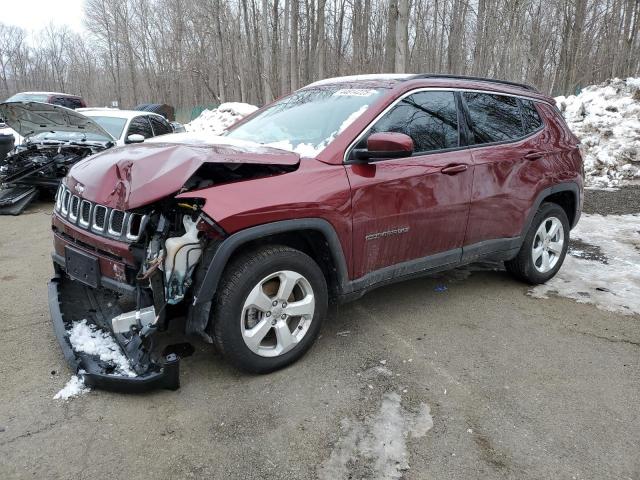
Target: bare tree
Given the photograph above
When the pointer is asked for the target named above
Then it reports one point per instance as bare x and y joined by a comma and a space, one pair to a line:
207, 51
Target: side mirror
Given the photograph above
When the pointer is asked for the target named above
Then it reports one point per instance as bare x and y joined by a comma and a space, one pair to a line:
135, 138
386, 145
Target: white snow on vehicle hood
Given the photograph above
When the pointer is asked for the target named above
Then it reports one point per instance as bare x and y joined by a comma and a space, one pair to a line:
31, 118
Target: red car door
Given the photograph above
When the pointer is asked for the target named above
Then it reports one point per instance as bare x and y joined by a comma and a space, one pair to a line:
410, 208
508, 171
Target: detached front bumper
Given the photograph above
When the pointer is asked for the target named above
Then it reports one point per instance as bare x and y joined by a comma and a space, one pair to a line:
71, 301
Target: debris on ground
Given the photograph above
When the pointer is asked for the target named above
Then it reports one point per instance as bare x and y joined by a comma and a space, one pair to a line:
440, 288
606, 118
74, 388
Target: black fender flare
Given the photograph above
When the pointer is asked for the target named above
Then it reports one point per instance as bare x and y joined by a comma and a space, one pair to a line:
572, 187
209, 284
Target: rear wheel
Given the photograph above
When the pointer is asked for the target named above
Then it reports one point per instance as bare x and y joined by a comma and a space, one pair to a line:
544, 247
269, 308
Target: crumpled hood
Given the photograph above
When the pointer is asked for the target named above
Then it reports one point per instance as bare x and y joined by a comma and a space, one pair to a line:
31, 118
136, 175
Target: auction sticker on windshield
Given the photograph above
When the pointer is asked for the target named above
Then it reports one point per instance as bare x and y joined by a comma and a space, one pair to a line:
355, 92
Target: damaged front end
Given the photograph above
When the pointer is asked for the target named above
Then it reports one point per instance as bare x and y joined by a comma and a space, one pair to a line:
127, 257
132, 299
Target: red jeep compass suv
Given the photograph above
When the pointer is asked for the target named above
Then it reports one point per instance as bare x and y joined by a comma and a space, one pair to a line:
341, 187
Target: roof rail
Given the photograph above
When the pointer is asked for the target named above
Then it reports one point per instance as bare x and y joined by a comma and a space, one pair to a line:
480, 79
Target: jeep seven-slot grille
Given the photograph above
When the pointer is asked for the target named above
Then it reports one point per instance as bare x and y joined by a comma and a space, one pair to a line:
105, 221
99, 216
116, 222
85, 212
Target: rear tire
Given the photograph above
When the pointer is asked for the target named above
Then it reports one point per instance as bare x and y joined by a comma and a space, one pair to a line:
269, 308
544, 247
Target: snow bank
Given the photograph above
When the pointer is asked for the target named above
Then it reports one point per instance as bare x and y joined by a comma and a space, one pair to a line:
606, 118
610, 279
218, 120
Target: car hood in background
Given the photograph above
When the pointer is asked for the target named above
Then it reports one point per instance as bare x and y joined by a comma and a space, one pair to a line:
31, 118
139, 174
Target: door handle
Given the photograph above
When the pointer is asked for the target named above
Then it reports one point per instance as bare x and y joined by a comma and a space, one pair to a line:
454, 169
534, 156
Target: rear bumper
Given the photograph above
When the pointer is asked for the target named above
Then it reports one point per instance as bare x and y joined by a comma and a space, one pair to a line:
65, 296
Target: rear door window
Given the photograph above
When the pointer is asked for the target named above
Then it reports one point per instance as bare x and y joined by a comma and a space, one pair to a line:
140, 126
494, 118
530, 116
429, 118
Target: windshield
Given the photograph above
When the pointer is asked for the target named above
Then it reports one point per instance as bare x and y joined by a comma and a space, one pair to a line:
29, 97
113, 125
78, 137
308, 120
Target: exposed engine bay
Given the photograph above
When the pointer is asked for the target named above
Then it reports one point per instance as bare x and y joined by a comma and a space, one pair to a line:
35, 169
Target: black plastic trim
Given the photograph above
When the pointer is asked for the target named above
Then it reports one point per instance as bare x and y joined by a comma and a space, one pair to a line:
494, 248
214, 270
560, 187
406, 269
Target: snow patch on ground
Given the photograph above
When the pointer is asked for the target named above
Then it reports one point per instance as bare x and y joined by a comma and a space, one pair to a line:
89, 339
614, 285
218, 120
379, 442
74, 388
606, 118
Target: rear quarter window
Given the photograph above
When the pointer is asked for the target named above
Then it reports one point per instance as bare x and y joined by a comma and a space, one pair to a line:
494, 118
530, 116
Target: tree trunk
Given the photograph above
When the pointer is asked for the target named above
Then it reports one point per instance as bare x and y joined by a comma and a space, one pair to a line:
402, 37
390, 41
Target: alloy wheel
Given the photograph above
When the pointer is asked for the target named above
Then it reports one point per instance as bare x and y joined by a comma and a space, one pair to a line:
277, 313
547, 245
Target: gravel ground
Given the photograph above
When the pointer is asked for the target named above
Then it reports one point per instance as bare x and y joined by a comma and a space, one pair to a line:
614, 202
515, 387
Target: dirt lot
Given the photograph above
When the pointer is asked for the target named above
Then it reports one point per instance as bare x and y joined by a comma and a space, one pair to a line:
516, 387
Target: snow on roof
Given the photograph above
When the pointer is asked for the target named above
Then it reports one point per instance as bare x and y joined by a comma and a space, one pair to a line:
363, 78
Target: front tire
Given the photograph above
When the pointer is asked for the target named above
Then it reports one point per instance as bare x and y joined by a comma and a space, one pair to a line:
544, 247
269, 308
